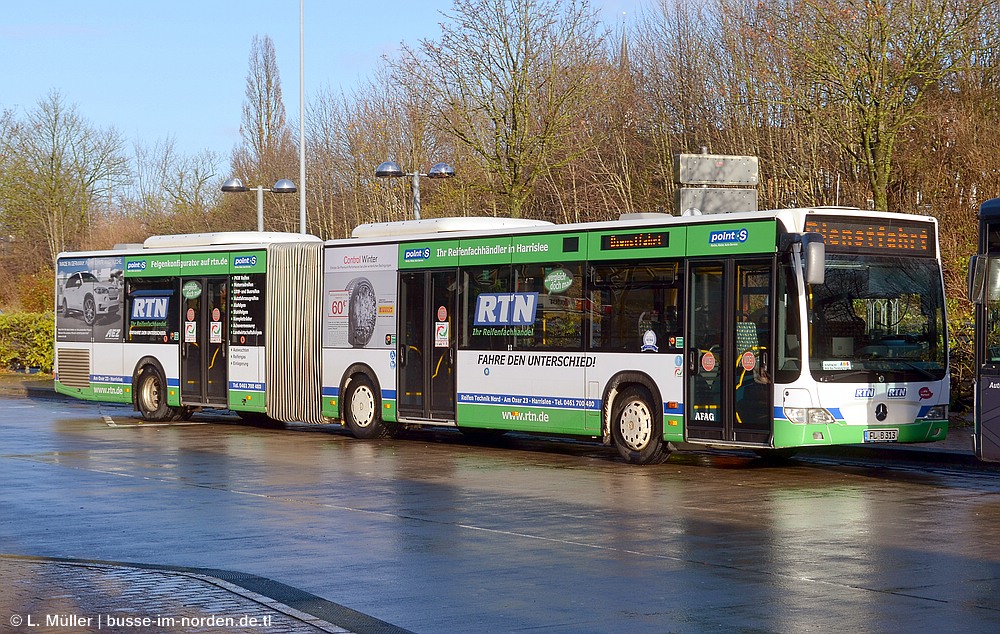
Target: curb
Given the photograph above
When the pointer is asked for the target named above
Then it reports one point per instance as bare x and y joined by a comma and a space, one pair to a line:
895, 454
272, 595
16, 386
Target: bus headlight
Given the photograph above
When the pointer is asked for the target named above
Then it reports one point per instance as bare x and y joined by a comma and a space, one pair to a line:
809, 416
938, 412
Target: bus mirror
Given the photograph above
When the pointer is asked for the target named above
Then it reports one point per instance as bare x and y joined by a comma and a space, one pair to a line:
993, 279
976, 280
815, 255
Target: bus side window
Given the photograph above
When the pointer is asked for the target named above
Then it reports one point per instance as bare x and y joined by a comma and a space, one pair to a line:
635, 308
560, 312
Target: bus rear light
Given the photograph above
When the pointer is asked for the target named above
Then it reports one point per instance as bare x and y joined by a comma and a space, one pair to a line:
809, 416
938, 412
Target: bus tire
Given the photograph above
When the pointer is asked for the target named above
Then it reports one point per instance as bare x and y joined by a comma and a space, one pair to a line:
151, 396
636, 428
362, 411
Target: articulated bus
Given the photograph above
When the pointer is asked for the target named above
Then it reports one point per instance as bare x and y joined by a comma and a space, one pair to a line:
767, 331
984, 292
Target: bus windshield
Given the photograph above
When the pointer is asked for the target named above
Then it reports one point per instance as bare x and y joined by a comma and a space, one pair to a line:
878, 318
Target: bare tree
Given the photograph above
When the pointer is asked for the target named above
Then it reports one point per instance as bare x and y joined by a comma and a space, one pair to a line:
870, 64
69, 172
268, 152
504, 81
171, 192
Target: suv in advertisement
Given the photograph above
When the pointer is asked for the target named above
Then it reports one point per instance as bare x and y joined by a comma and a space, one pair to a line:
85, 294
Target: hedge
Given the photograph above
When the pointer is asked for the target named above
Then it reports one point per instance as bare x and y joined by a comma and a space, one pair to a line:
26, 341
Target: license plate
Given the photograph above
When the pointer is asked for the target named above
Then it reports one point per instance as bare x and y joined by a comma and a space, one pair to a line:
881, 435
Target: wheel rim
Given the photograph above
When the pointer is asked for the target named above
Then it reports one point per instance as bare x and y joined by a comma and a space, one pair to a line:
636, 425
151, 394
363, 406
88, 310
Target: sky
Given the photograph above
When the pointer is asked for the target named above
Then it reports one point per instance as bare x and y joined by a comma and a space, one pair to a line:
176, 69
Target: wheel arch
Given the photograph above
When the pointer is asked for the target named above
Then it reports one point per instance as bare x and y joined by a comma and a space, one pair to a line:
616, 385
140, 367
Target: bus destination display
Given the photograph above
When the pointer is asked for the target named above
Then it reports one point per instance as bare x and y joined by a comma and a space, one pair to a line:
643, 240
845, 234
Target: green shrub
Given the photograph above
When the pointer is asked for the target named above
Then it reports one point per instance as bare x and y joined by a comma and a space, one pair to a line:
36, 291
26, 341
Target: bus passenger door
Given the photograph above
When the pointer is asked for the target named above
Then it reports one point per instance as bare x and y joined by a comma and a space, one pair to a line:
729, 394
987, 357
427, 345
204, 366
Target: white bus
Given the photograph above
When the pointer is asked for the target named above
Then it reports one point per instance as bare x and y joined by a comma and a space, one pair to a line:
767, 331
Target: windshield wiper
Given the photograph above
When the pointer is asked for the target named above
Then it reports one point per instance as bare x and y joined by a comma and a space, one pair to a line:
830, 378
910, 365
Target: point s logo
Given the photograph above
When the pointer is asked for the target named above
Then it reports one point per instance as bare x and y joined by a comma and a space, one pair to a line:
244, 261
416, 255
728, 237
136, 265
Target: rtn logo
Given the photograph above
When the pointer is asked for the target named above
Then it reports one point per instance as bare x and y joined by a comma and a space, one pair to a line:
896, 392
150, 307
864, 392
413, 255
136, 265
245, 261
506, 309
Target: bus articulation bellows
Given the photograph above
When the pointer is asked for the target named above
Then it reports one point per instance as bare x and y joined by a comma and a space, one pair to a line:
768, 331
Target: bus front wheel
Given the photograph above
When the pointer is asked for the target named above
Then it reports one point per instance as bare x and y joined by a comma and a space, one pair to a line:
636, 428
151, 396
361, 411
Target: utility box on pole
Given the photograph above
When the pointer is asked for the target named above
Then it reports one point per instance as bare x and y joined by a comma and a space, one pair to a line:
718, 171
715, 200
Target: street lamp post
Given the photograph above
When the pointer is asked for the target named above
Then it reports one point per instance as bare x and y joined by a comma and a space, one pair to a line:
283, 186
391, 169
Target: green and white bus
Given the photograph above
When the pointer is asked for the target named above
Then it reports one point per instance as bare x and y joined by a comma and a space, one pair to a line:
768, 331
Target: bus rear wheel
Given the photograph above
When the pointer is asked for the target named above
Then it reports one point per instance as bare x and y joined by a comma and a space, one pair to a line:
636, 428
151, 396
361, 411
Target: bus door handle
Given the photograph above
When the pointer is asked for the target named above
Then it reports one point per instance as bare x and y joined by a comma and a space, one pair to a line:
763, 375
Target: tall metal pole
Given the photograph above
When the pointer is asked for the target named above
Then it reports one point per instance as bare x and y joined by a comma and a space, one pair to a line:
302, 117
415, 188
260, 207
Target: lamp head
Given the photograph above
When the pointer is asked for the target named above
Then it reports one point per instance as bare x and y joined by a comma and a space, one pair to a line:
284, 186
234, 185
441, 170
389, 169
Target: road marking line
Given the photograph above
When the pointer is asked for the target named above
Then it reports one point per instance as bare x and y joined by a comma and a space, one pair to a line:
111, 423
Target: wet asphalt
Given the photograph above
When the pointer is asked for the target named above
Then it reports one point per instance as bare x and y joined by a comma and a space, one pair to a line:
61, 594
